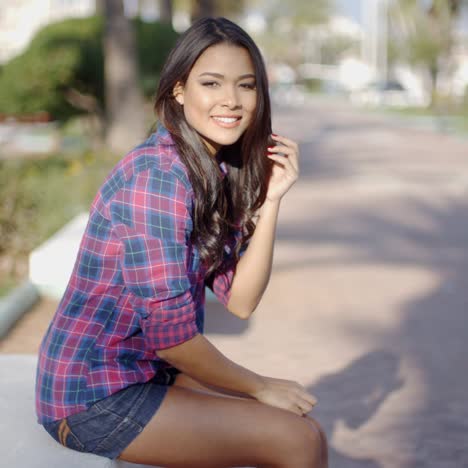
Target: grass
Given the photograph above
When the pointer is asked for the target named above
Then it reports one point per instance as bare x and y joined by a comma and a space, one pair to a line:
39, 197
451, 120
7, 285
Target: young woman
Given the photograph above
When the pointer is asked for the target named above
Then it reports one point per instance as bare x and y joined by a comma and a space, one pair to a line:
124, 370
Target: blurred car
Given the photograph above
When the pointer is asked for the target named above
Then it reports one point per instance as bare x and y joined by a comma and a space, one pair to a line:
387, 93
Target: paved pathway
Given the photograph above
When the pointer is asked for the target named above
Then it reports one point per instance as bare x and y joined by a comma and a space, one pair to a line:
368, 299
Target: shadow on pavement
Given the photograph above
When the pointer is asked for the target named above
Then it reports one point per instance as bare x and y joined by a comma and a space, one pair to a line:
421, 228
402, 231
353, 396
219, 320
435, 336
432, 335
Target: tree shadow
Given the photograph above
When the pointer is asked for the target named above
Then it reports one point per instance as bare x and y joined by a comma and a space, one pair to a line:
352, 396
424, 230
432, 336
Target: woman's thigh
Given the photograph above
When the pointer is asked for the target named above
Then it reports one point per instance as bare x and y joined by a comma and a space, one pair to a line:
196, 429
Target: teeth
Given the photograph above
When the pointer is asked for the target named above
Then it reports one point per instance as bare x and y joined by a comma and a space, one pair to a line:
226, 119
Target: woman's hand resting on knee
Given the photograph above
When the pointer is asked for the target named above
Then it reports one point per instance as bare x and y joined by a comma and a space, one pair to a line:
286, 394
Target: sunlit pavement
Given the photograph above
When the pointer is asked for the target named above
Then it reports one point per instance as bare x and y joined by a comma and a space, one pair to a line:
367, 303
366, 306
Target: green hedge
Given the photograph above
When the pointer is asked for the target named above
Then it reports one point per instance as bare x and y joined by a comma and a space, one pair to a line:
40, 196
69, 54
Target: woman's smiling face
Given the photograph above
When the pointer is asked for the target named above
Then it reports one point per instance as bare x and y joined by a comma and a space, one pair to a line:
220, 95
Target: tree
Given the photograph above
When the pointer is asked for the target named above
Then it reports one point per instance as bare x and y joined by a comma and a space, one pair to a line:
227, 8
286, 38
166, 11
125, 120
62, 70
424, 35
202, 9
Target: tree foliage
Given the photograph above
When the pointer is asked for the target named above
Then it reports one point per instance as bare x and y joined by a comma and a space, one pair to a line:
424, 33
227, 8
286, 36
62, 71
62, 56
299, 12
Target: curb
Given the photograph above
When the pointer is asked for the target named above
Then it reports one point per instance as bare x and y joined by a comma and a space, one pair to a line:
16, 304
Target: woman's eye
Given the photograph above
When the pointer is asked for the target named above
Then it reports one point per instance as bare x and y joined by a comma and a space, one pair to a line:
210, 84
248, 85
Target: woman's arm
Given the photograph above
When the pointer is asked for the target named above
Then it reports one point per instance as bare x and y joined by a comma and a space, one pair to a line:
254, 268
201, 361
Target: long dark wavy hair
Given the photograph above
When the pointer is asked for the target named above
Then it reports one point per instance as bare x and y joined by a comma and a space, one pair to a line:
222, 205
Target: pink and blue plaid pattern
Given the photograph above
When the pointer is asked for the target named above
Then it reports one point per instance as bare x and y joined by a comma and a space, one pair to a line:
137, 286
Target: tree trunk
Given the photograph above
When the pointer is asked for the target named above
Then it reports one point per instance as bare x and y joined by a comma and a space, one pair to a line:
166, 11
100, 7
125, 120
202, 9
434, 72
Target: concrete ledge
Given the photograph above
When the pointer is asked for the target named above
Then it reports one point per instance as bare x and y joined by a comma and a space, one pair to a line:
51, 264
24, 443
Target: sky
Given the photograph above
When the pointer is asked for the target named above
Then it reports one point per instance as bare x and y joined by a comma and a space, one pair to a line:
349, 8
352, 8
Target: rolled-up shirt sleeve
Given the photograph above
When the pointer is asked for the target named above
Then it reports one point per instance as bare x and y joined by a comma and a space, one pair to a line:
221, 280
151, 218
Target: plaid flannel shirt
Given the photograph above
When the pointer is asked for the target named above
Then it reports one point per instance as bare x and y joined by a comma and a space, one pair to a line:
137, 286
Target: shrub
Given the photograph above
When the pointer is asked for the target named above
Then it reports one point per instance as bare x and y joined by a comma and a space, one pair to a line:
68, 55
61, 56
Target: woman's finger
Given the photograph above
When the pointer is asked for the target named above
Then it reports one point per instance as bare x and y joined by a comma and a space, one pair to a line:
309, 398
296, 410
306, 405
289, 152
284, 161
286, 141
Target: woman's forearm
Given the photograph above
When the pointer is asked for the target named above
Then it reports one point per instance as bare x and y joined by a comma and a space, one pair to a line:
254, 268
202, 361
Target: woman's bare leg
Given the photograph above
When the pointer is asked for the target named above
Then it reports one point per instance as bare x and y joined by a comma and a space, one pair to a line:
197, 429
323, 437
185, 381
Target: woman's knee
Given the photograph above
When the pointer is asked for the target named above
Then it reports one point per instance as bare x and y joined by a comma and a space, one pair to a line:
323, 439
316, 426
299, 443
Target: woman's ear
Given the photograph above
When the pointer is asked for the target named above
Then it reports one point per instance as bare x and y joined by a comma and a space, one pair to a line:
178, 93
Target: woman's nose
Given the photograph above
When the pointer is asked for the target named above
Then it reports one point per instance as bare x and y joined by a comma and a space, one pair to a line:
231, 98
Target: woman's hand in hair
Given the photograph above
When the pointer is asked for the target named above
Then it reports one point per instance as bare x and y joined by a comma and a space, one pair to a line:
285, 154
285, 394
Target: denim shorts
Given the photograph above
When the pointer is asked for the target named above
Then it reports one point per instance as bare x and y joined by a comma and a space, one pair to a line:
110, 425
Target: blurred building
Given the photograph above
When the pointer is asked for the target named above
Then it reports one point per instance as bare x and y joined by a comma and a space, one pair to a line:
367, 67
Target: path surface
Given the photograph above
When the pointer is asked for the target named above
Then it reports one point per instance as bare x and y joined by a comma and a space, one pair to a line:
368, 299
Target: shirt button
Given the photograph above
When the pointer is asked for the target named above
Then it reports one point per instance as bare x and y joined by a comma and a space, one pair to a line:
125, 419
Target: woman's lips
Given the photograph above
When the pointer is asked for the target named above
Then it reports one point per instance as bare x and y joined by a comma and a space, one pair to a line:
227, 122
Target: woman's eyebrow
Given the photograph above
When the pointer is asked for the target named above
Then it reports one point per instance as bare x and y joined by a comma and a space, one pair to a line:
219, 75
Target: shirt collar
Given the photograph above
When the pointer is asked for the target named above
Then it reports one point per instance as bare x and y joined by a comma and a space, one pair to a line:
163, 136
